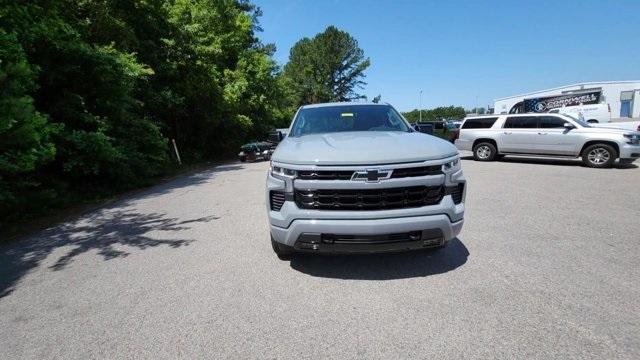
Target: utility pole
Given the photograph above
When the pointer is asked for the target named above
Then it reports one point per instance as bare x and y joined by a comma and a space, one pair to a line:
420, 107
175, 148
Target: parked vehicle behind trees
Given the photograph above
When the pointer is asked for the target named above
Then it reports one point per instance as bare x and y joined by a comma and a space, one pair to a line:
255, 151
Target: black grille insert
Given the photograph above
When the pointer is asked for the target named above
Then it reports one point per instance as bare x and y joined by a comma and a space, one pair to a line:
417, 171
456, 192
276, 200
324, 175
347, 174
369, 199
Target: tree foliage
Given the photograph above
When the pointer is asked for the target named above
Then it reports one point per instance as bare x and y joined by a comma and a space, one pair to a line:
25, 134
446, 112
328, 67
92, 91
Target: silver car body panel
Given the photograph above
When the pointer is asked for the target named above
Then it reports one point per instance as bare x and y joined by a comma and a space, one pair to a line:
362, 148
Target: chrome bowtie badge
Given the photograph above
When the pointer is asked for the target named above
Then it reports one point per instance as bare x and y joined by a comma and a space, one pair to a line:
371, 175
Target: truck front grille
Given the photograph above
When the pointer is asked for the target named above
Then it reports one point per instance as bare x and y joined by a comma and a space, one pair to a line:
347, 174
369, 199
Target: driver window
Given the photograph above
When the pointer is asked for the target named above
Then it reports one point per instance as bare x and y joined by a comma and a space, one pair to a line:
552, 122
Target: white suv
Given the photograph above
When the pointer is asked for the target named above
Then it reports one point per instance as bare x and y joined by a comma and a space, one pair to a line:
492, 136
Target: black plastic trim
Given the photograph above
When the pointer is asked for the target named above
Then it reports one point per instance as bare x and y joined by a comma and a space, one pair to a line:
276, 200
369, 199
456, 192
336, 243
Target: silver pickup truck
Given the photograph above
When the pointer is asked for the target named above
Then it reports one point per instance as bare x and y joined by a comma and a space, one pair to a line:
493, 136
356, 177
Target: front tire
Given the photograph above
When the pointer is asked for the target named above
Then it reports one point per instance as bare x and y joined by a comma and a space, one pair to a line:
599, 156
484, 151
283, 252
592, 121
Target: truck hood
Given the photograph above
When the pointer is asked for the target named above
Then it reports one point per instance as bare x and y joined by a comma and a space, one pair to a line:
362, 148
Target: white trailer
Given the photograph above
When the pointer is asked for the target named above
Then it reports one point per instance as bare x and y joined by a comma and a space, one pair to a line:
621, 97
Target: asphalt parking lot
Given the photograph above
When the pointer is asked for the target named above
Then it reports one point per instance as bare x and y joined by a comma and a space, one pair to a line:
547, 266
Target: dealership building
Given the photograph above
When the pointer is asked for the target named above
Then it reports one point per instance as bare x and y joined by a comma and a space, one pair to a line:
623, 98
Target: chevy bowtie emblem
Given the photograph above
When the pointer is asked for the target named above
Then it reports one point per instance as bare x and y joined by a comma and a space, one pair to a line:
371, 175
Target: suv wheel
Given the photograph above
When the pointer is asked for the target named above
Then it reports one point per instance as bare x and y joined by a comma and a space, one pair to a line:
592, 121
484, 152
599, 155
284, 252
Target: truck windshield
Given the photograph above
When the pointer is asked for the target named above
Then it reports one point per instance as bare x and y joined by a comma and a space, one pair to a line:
342, 118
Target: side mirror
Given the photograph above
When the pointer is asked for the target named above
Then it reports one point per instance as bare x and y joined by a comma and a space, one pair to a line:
275, 136
424, 128
569, 126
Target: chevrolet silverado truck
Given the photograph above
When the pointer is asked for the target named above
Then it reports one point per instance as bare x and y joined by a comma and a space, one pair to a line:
357, 178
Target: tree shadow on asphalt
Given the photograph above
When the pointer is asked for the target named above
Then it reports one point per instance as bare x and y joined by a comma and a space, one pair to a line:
384, 266
552, 161
109, 231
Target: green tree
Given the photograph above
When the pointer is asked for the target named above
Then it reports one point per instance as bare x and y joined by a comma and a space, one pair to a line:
328, 67
25, 134
443, 112
479, 110
92, 91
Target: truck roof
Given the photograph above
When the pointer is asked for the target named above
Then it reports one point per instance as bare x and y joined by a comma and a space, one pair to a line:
344, 103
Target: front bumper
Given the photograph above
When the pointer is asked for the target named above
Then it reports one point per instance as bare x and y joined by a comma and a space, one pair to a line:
628, 151
367, 236
338, 231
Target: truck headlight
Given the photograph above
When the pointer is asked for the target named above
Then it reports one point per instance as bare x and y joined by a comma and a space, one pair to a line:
451, 166
633, 138
282, 173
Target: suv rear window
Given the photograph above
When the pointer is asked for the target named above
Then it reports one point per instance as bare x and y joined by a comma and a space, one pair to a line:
521, 122
479, 123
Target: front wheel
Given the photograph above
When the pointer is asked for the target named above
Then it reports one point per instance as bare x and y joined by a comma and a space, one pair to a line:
599, 155
484, 152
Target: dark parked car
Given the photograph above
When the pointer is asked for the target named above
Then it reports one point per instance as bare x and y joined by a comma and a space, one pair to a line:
256, 151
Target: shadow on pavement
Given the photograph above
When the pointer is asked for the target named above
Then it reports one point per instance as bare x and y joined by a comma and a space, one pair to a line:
108, 231
384, 266
184, 182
